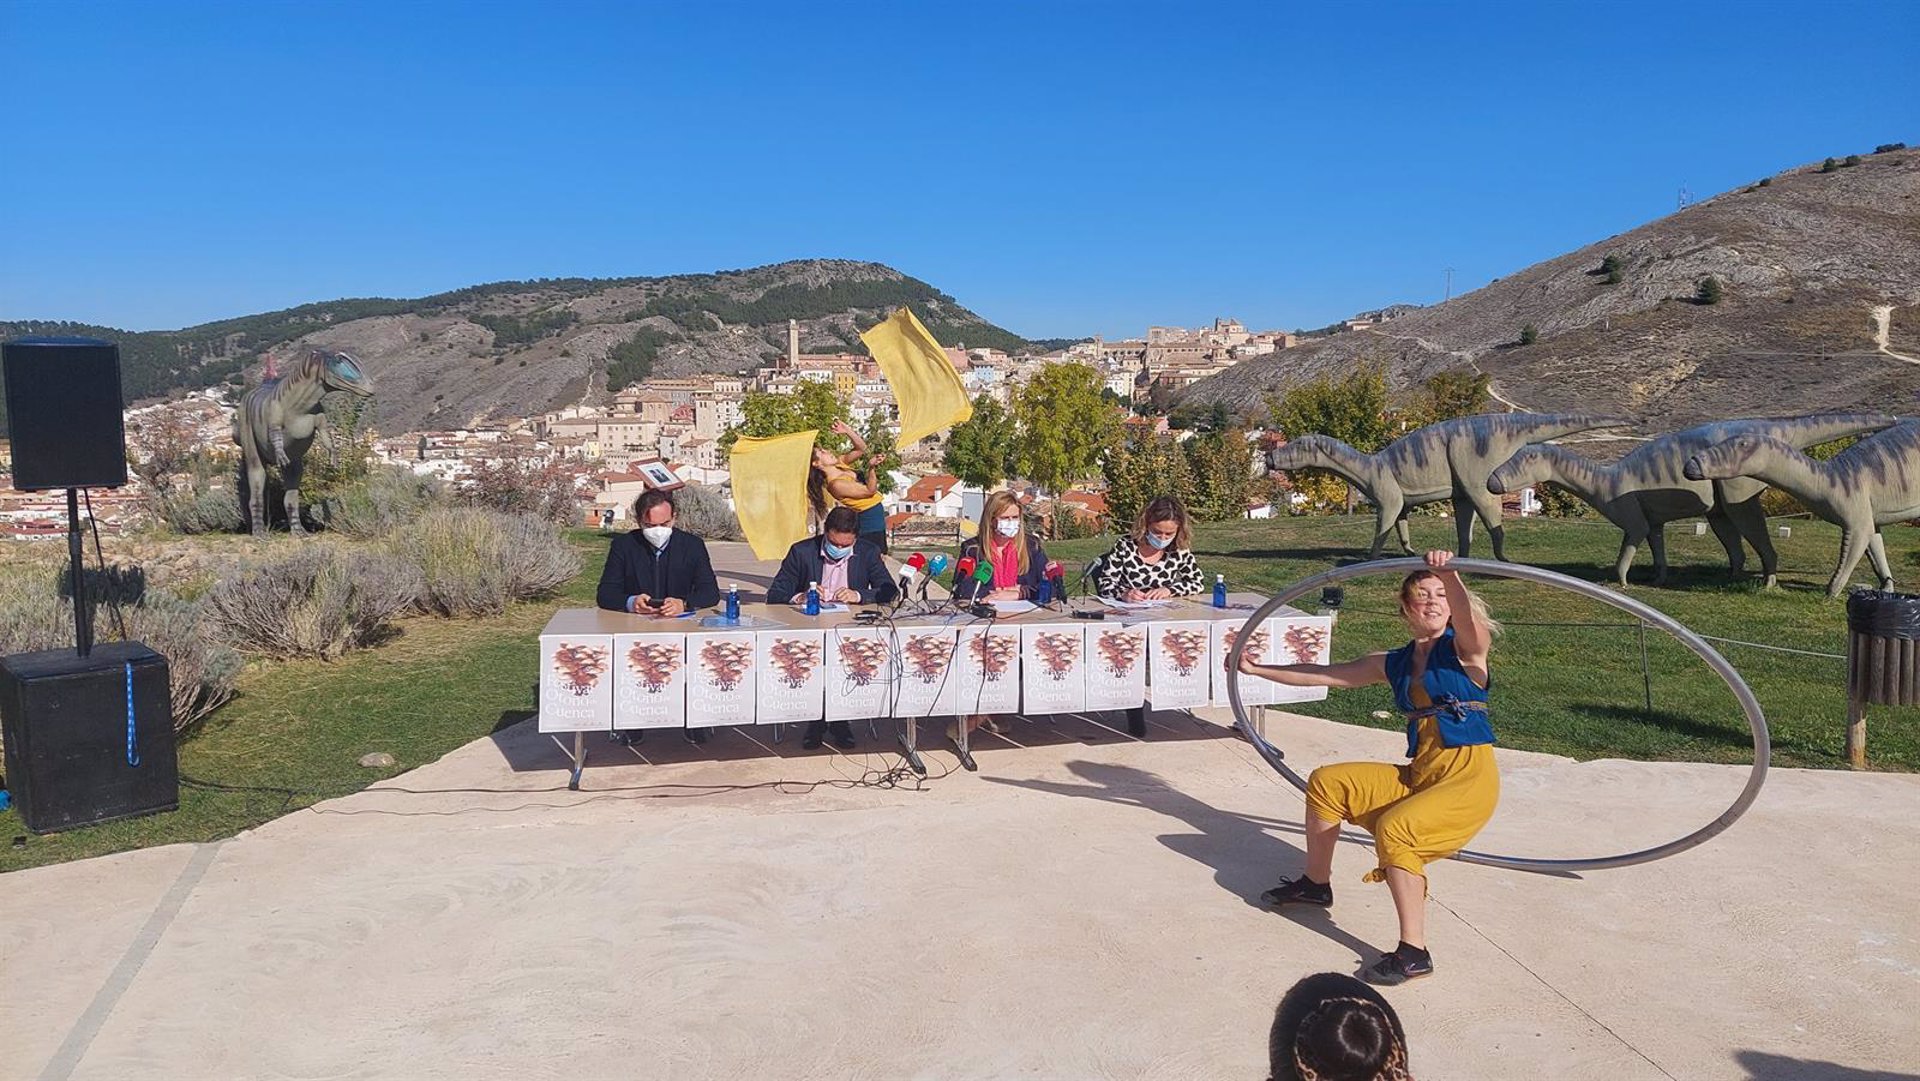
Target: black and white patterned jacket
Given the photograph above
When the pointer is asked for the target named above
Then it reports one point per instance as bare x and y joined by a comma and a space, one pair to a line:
1175, 570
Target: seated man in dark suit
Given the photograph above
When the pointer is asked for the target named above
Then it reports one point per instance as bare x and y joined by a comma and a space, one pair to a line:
849, 570
658, 571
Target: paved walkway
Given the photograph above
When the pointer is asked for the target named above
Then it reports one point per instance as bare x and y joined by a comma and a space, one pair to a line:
1081, 907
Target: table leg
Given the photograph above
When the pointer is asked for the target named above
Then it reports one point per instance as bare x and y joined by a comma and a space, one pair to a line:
579, 760
909, 741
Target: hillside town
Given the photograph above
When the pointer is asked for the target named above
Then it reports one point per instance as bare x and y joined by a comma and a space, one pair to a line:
680, 423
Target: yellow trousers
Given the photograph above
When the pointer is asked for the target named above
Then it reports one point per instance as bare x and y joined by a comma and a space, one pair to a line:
1420, 812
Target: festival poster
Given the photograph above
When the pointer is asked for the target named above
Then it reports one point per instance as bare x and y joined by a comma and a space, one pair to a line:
1117, 666
650, 680
1180, 663
1254, 691
576, 682
859, 673
926, 672
1302, 640
792, 676
989, 676
1053, 666
720, 678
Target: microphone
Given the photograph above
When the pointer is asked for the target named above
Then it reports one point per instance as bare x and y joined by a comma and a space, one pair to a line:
962, 571
937, 565
1057, 581
911, 567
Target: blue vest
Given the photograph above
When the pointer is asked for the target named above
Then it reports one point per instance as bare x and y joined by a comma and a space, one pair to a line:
1459, 705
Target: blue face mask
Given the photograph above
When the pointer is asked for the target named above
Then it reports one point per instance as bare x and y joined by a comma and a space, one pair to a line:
1158, 541
835, 551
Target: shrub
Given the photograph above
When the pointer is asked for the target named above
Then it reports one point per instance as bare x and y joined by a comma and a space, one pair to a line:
1710, 291
380, 502
36, 613
318, 602
1529, 334
1558, 502
206, 510
472, 561
518, 483
1886, 148
1613, 267
1850, 161
1764, 182
703, 511
1065, 523
1829, 165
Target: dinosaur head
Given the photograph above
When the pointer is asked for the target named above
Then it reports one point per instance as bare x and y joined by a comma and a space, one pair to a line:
1729, 458
1302, 453
339, 371
1521, 470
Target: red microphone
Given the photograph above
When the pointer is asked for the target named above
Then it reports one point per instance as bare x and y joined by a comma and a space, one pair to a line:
914, 564
1057, 580
962, 570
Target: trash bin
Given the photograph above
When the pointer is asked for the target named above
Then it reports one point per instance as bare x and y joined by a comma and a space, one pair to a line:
1883, 659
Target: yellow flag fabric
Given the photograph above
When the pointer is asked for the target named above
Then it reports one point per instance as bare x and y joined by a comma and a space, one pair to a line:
770, 490
931, 396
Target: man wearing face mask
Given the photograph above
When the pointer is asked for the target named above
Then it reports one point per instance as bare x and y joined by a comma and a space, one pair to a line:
849, 570
659, 572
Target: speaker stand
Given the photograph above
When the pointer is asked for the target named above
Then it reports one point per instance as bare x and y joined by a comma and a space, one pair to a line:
82, 624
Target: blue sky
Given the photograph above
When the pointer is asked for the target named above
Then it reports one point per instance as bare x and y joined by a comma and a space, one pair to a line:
1063, 169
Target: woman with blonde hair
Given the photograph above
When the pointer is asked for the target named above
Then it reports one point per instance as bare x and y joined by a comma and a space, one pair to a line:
1431, 807
1153, 561
831, 480
1016, 559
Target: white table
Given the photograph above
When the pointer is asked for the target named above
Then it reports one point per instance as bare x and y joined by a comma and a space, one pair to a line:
607, 671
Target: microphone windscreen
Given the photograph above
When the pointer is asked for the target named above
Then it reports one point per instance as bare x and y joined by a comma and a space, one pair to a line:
938, 564
983, 573
965, 569
916, 561
1055, 570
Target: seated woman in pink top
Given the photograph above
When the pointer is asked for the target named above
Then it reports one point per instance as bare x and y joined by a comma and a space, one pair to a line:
1019, 566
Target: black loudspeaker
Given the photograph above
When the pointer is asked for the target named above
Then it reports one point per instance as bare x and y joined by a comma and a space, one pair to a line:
63, 412
66, 720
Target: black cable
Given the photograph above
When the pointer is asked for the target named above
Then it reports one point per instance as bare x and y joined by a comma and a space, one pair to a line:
99, 556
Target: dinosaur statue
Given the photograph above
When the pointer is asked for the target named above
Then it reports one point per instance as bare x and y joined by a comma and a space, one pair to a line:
275, 425
1447, 460
1870, 484
1647, 488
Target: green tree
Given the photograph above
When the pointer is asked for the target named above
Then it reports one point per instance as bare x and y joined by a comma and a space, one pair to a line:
1352, 409
1143, 466
1064, 425
1456, 393
1829, 166
980, 450
1710, 291
1613, 267
882, 449
1529, 334
1222, 466
812, 406
1851, 161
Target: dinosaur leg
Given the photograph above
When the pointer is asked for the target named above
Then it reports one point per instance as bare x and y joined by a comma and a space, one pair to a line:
1657, 541
1729, 537
290, 477
1468, 503
1389, 516
1751, 521
1853, 545
1404, 534
1877, 552
1633, 533
257, 493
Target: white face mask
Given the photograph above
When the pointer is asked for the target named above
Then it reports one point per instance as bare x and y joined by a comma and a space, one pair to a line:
1007, 527
657, 535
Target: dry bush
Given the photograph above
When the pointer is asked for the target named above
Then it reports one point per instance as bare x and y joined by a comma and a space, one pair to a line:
475, 562
381, 502
36, 613
703, 512
318, 602
205, 510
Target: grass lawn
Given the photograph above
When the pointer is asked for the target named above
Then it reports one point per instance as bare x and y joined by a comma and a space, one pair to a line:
1569, 690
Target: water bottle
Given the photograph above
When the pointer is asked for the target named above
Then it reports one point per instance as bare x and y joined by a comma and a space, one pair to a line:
733, 604
1044, 594
1219, 591
813, 598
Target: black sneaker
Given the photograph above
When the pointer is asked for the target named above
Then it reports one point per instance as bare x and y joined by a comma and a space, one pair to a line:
696, 735
627, 737
844, 741
1300, 891
1402, 964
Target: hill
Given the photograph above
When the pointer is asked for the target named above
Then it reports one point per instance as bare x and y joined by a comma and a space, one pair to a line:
509, 348
1821, 309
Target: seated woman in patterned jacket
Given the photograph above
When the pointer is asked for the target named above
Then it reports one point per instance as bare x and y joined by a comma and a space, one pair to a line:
1154, 561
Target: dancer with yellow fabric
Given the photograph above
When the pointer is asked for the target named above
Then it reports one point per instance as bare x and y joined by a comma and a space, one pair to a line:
1431, 807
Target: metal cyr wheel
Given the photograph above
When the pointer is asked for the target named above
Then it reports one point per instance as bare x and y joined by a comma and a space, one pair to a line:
1741, 693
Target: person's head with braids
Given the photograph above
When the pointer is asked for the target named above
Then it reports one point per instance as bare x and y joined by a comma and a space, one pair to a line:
1331, 1027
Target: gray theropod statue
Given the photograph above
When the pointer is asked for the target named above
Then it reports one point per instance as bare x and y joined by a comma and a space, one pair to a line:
276, 422
1449, 460
1648, 487
1873, 483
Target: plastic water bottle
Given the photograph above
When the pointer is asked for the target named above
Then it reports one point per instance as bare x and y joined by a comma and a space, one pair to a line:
1044, 594
733, 604
1219, 591
813, 598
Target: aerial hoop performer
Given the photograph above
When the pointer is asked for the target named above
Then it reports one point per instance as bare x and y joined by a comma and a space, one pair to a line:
1431, 807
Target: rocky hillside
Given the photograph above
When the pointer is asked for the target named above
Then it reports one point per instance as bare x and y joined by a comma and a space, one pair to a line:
1821, 309
511, 348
